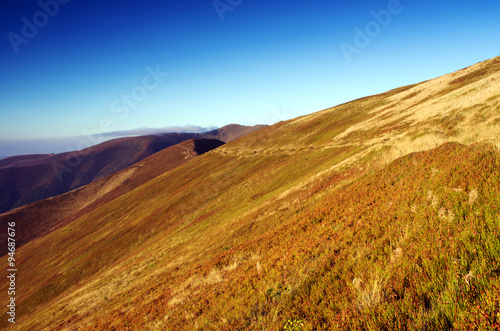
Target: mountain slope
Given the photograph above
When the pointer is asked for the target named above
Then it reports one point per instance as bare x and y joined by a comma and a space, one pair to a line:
231, 132
21, 160
44, 216
330, 219
26, 179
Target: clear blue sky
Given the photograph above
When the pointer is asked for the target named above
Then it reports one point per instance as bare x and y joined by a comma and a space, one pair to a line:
228, 61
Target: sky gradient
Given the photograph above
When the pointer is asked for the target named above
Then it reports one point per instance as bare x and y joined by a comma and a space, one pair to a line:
86, 67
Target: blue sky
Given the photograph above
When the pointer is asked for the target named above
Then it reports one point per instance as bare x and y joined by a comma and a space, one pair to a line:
89, 67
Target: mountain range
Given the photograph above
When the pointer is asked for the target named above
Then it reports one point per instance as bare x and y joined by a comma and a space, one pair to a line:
28, 178
378, 214
45, 216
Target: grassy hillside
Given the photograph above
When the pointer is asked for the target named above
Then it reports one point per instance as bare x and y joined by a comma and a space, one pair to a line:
29, 178
328, 221
43, 217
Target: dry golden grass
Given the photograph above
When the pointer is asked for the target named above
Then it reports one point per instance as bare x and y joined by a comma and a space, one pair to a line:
420, 107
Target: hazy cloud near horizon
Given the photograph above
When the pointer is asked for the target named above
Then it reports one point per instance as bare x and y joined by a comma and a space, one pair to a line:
66, 144
146, 131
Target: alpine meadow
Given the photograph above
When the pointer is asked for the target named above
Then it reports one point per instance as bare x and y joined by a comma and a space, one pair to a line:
382, 213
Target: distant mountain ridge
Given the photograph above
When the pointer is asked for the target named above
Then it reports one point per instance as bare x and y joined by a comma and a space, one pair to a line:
28, 178
21, 160
41, 217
